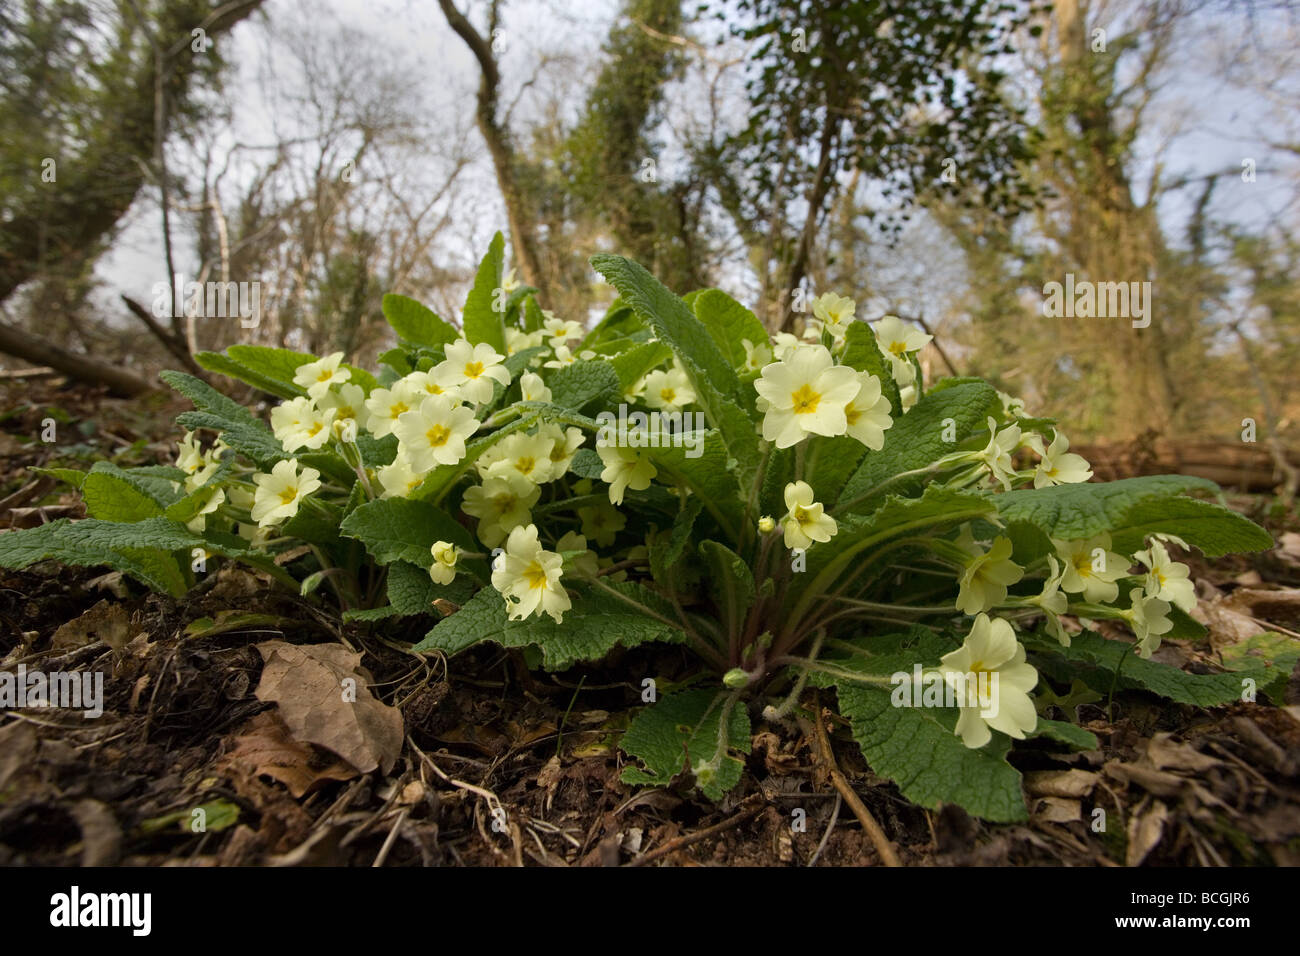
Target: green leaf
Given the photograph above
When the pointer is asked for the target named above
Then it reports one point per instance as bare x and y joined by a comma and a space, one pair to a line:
1096, 659
417, 323
917, 440
916, 746
704, 470
680, 732
187, 508
241, 431
831, 462
115, 495
862, 352
205, 397
583, 383
280, 365
1064, 733
896, 517
403, 529
69, 476
411, 591
247, 436
716, 384
633, 363
596, 623
1261, 651
399, 360
728, 323
482, 323
223, 364
732, 585
1131, 509
131, 548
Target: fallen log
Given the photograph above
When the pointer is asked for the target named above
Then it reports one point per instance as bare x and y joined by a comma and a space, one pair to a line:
1242, 465
33, 348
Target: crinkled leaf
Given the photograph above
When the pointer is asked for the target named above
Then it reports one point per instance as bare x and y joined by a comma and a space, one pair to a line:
681, 731
1095, 659
583, 383
716, 384
728, 323
1131, 509
404, 529
916, 746
596, 623
916, 440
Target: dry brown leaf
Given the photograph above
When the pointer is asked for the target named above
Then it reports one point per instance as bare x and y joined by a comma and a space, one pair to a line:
264, 746
1073, 784
106, 621
308, 683
1165, 754
1288, 546
1157, 782
1056, 810
1145, 828
1226, 625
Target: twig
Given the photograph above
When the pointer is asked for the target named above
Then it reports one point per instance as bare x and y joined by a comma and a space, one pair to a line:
826, 837
756, 805
878, 839
391, 839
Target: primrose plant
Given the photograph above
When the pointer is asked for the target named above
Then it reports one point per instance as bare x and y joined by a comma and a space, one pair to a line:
793, 510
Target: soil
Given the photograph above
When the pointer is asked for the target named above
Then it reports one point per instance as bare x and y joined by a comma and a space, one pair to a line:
1177, 784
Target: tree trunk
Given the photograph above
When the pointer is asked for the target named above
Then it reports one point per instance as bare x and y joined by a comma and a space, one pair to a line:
33, 348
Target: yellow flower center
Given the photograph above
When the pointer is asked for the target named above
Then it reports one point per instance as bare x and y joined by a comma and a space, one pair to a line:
535, 575
433, 388
898, 348
1083, 564
526, 464
288, 494
852, 413
437, 436
325, 375
314, 429
667, 394
805, 400
397, 409
473, 369
803, 516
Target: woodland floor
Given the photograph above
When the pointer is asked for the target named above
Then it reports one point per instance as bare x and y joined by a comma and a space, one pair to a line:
182, 728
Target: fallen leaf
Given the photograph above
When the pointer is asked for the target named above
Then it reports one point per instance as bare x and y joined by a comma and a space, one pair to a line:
264, 746
1056, 810
1145, 828
106, 622
101, 837
1060, 783
1165, 754
324, 698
